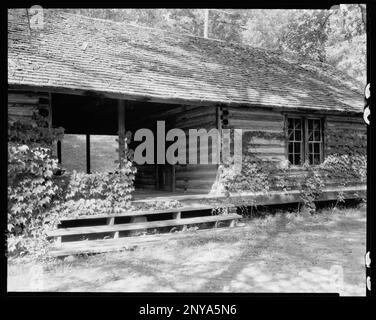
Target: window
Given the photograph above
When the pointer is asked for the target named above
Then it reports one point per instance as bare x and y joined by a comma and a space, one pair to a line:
305, 140
96, 154
314, 133
295, 134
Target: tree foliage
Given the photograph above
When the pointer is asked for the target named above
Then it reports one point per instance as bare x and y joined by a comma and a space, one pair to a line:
335, 36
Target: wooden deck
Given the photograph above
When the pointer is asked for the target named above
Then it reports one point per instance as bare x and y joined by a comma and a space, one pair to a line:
274, 197
108, 232
123, 229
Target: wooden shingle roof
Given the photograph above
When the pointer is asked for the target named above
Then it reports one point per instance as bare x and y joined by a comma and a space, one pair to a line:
81, 53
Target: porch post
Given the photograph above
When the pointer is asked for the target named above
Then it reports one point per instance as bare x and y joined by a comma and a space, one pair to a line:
88, 153
121, 129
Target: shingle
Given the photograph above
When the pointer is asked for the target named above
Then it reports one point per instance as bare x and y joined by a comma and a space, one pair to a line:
78, 52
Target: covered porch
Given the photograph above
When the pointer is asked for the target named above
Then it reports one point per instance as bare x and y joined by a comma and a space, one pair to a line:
93, 125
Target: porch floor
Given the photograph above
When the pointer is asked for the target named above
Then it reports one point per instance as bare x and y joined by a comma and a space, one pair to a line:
149, 194
274, 197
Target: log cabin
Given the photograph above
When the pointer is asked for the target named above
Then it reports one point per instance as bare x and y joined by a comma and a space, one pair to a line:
96, 77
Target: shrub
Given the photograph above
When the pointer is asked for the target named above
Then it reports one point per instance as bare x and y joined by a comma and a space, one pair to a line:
262, 176
88, 194
31, 191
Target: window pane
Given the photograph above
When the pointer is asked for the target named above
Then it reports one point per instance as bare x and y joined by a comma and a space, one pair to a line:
103, 153
295, 135
310, 148
316, 148
310, 135
291, 158
317, 135
297, 158
316, 124
310, 159
298, 135
310, 124
316, 159
297, 147
73, 152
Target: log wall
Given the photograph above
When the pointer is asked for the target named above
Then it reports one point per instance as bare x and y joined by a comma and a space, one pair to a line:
342, 134
253, 119
22, 105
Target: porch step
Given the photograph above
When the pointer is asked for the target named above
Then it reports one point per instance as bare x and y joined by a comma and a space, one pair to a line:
140, 226
142, 212
110, 245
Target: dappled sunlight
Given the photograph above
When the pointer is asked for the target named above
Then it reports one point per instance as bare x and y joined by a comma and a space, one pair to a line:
258, 278
281, 253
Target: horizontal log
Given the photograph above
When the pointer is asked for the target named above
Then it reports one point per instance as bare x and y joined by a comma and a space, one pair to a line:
196, 167
257, 125
139, 225
195, 114
347, 126
254, 110
23, 111
179, 175
172, 112
17, 118
265, 142
140, 213
268, 150
23, 98
354, 119
272, 117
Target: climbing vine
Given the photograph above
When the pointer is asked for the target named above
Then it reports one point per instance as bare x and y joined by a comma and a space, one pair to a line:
88, 194
31, 186
264, 176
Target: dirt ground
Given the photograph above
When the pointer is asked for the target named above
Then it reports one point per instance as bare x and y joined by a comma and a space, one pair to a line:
281, 253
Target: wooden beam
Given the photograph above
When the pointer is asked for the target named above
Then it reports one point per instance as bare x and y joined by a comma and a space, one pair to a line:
136, 225
88, 153
173, 178
121, 130
172, 100
59, 151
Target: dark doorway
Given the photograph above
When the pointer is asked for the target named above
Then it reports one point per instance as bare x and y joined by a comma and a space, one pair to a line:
166, 177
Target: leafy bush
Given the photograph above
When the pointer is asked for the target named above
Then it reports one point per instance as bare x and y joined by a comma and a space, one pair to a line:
254, 175
311, 187
31, 191
99, 192
90, 194
262, 176
345, 168
34, 133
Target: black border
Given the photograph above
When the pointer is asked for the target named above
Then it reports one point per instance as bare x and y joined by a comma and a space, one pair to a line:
245, 302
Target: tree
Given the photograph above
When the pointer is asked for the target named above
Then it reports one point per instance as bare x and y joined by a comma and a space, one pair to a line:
307, 34
333, 36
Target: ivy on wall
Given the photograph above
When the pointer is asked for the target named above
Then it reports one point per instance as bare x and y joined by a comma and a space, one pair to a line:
37, 199
341, 166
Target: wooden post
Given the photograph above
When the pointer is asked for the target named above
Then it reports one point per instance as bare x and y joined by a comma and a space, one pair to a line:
121, 130
110, 222
59, 151
173, 177
49, 110
87, 153
176, 215
218, 112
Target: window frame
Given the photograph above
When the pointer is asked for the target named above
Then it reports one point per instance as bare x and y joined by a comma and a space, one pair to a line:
305, 145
